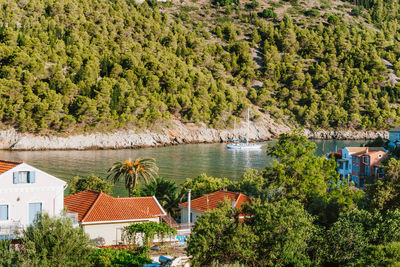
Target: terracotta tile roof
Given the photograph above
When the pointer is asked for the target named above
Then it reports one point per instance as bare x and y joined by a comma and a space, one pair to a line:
363, 149
210, 201
383, 153
6, 165
93, 206
81, 202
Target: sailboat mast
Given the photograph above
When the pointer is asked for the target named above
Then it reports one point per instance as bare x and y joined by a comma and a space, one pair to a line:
248, 125
234, 129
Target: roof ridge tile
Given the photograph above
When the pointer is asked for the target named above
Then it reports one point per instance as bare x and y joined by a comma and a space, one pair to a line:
93, 204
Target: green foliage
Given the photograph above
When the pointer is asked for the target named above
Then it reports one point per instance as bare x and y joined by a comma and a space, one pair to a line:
113, 257
133, 172
253, 4
297, 173
54, 242
377, 142
252, 184
7, 254
333, 19
312, 12
92, 182
90, 65
331, 80
225, 2
167, 193
268, 13
215, 236
204, 184
347, 238
380, 255
274, 234
284, 229
146, 232
71, 66
383, 194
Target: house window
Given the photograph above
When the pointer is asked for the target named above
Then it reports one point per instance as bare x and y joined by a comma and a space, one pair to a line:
34, 210
367, 170
357, 160
366, 160
24, 177
3, 212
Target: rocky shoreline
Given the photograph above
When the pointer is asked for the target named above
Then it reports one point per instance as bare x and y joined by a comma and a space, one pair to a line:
176, 133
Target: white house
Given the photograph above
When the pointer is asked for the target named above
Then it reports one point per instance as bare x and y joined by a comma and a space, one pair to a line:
103, 217
24, 192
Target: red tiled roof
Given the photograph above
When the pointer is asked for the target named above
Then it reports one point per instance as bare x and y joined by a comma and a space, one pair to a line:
210, 201
6, 165
383, 153
93, 206
81, 202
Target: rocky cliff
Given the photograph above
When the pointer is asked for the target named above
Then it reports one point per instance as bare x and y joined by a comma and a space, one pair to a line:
175, 133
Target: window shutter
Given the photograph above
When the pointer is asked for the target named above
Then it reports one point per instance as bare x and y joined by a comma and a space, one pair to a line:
15, 177
32, 177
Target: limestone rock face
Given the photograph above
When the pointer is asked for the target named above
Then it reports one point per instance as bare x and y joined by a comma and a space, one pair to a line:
175, 133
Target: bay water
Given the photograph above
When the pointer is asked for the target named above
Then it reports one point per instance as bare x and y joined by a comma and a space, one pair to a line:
175, 162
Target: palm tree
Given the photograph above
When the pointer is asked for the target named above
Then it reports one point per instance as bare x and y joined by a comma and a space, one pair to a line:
167, 193
133, 171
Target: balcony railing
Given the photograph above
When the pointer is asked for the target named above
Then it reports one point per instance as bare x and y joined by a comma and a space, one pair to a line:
10, 230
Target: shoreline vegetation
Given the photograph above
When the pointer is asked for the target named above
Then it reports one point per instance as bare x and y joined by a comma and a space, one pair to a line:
89, 66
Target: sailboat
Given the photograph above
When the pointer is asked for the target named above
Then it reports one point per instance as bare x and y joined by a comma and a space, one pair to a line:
244, 144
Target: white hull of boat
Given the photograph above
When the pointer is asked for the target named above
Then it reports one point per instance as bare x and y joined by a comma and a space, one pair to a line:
244, 146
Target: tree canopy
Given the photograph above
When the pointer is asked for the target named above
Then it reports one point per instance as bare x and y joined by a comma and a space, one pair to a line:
74, 66
92, 182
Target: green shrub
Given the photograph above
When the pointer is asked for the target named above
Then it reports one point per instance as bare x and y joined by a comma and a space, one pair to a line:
268, 13
253, 4
312, 12
333, 19
225, 2
113, 257
356, 12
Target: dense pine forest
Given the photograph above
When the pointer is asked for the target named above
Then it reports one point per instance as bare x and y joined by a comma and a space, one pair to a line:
75, 65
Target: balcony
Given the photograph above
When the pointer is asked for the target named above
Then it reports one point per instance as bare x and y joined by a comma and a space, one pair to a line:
10, 230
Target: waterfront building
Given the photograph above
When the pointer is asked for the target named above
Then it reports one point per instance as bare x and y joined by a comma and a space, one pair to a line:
210, 202
103, 217
26, 191
367, 166
360, 164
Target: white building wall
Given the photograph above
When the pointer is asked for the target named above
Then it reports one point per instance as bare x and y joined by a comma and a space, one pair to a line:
111, 232
195, 215
346, 155
47, 190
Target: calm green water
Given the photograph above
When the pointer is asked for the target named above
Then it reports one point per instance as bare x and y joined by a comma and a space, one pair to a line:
175, 162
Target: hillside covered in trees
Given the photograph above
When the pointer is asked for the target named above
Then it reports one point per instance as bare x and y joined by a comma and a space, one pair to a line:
74, 65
